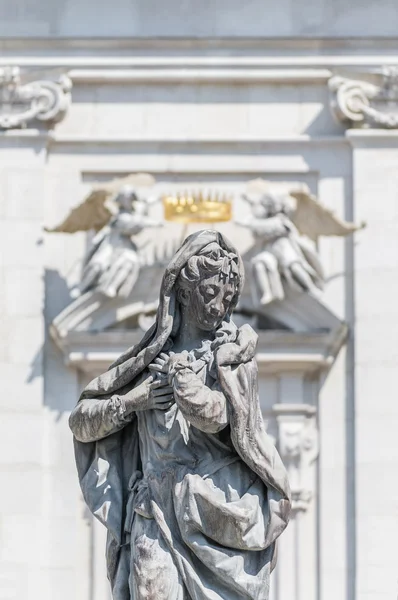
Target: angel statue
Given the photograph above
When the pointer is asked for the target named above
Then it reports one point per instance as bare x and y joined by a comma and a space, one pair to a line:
285, 225
117, 211
171, 449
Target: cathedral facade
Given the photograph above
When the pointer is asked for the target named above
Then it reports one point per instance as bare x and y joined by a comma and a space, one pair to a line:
294, 108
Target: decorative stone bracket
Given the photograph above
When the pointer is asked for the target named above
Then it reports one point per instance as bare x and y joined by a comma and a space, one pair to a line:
298, 447
367, 104
46, 101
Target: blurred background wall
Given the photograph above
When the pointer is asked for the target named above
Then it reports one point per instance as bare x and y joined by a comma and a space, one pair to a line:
201, 94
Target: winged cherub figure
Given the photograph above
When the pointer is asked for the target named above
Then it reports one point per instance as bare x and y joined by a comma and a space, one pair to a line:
285, 223
117, 211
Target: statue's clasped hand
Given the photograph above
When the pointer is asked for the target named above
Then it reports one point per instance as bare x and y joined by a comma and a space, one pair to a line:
168, 365
160, 391
177, 363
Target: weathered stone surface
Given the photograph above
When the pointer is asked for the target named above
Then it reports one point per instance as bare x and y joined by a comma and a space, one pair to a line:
171, 449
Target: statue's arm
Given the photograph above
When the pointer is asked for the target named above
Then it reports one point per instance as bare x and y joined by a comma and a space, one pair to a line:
204, 407
268, 229
272, 228
93, 419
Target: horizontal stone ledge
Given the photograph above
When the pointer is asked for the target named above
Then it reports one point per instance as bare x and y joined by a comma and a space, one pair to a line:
291, 409
289, 362
119, 54
65, 138
207, 72
25, 132
369, 137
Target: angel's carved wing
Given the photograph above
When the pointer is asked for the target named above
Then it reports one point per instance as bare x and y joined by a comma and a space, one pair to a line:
97, 208
93, 213
313, 219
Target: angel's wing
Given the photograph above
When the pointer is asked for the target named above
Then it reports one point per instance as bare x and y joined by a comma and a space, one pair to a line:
93, 213
97, 208
313, 219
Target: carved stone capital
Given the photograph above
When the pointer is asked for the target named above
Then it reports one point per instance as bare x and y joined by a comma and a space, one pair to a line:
46, 101
298, 447
371, 102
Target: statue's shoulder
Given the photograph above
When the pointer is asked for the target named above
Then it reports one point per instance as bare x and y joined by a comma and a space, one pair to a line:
240, 351
246, 334
247, 339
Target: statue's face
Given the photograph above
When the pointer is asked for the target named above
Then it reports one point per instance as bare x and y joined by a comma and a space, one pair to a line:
208, 303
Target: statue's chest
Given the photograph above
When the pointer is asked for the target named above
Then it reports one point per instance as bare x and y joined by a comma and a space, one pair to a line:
167, 435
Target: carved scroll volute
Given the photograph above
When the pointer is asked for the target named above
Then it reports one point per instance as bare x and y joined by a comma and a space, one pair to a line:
43, 100
350, 98
364, 104
298, 448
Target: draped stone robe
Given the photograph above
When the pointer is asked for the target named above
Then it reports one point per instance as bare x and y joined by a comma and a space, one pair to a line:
205, 471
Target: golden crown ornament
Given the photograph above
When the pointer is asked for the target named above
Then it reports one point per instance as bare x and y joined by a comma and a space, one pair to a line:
197, 207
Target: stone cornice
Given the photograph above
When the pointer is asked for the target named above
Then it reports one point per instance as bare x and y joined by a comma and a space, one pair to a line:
383, 138
194, 70
181, 141
125, 52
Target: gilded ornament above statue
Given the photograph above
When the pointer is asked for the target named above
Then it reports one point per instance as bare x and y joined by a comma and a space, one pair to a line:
199, 206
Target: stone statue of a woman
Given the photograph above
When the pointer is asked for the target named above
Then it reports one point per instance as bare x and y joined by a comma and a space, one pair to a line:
171, 450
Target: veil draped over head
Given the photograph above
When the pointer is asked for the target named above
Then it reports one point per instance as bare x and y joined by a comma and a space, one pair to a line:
132, 362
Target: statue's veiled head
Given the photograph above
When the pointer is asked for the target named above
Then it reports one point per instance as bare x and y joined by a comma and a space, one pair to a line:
208, 286
202, 282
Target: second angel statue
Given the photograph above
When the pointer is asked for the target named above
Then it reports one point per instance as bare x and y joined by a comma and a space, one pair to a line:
171, 450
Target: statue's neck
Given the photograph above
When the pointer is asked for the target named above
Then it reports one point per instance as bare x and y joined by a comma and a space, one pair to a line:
189, 336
